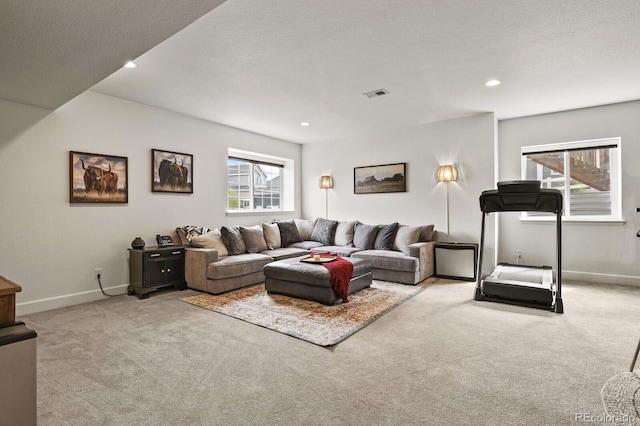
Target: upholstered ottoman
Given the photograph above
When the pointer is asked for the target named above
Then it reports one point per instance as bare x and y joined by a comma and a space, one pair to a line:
312, 281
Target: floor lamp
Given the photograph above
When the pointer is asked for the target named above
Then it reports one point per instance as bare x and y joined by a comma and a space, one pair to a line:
447, 173
326, 183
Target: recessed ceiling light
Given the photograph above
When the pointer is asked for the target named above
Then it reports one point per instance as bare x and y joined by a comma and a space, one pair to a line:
304, 123
130, 64
492, 83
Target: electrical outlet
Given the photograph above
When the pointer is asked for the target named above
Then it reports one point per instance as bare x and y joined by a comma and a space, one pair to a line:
519, 253
98, 273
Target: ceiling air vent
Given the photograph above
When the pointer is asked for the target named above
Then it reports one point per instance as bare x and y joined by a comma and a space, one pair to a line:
376, 93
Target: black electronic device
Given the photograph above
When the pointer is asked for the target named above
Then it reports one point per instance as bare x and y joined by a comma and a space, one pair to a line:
164, 241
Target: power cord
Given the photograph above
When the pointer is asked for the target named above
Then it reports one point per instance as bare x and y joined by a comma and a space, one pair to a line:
105, 293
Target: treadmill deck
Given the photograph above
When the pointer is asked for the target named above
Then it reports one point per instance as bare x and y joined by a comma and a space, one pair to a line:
532, 284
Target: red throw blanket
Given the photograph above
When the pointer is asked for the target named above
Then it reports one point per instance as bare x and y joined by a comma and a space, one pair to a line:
341, 273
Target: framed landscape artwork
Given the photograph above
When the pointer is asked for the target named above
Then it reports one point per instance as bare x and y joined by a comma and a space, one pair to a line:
377, 179
98, 178
171, 172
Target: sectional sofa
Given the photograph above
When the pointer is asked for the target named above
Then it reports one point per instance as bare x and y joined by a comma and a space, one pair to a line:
220, 260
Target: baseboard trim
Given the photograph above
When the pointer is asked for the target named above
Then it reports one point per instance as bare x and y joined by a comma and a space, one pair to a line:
601, 278
40, 305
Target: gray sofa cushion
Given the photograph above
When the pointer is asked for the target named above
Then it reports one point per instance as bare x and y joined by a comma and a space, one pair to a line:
324, 232
271, 235
232, 239
307, 245
253, 238
288, 233
236, 266
388, 259
405, 236
340, 250
386, 236
344, 234
305, 228
364, 236
285, 253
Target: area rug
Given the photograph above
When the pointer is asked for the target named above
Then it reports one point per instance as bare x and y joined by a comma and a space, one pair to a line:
621, 399
311, 321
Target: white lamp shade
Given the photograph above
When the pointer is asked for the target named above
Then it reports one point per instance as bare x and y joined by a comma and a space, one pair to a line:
326, 182
447, 173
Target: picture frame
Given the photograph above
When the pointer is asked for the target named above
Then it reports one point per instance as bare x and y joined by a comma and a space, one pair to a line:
380, 179
171, 172
98, 178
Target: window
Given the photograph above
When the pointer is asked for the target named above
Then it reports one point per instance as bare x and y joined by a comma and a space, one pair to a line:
586, 172
253, 184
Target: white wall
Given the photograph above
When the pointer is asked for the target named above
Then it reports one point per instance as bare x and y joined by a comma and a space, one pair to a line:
594, 252
51, 247
467, 142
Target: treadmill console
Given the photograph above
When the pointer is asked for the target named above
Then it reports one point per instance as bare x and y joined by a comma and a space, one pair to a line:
519, 186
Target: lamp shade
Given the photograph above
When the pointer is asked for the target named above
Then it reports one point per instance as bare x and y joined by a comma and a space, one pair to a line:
326, 182
447, 173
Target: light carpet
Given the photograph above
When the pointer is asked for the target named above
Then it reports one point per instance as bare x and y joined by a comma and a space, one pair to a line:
311, 321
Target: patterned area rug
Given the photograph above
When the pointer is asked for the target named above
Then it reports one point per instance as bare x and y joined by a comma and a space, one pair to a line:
621, 399
311, 321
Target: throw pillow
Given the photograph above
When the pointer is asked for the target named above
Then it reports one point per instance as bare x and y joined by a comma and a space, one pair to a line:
211, 240
186, 233
232, 239
324, 232
405, 236
305, 228
344, 234
288, 233
364, 236
253, 238
271, 235
386, 236
427, 233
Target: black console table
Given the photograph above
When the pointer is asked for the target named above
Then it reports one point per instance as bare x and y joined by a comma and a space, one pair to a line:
152, 268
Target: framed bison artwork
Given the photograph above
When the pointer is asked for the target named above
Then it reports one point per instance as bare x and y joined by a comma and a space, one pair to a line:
171, 172
98, 178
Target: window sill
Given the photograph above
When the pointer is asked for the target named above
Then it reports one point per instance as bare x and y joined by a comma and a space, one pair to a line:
259, 212
574, 220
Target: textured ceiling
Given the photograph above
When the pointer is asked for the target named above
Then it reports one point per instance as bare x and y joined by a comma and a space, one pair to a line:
266, 66
53, 50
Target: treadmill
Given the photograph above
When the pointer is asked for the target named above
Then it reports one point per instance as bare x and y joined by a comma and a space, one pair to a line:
522, 285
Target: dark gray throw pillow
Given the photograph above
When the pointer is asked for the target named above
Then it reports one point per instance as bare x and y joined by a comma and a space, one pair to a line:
288, 233
324, 232
364, 236
386, 236
233, 241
